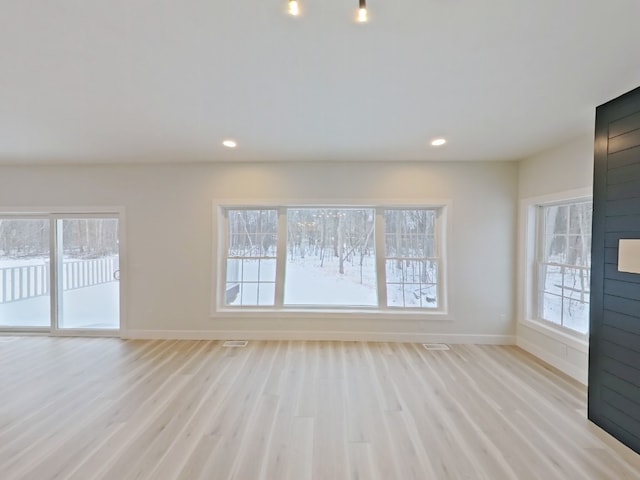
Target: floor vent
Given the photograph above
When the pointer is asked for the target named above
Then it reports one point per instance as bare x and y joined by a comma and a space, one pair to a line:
435, 346
235, 343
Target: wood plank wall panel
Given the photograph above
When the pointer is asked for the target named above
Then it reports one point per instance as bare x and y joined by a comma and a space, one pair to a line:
630, 206
624, 174
614, 354
624, 125
623, 158
624, 141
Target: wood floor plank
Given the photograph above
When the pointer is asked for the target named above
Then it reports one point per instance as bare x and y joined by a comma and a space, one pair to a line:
84, 409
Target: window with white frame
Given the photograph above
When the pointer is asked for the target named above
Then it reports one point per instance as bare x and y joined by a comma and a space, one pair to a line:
251, 257
564, 264
333, 257
411, 263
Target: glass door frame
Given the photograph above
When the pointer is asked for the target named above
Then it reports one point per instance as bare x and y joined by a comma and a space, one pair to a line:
31, 216
57, 291
55, 260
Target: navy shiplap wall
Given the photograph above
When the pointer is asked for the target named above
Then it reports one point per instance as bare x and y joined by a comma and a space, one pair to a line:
614, 346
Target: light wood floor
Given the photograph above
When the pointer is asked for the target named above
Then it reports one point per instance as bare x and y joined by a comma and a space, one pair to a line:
110, 409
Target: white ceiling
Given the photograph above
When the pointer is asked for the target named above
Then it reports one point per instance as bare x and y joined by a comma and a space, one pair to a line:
168, 80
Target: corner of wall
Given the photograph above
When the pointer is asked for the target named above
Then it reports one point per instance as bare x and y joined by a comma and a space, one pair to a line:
569, 357
565, 168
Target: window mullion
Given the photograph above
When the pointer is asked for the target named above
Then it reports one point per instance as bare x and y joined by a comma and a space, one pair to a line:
541, 258
54, 272
381, 252
438, 254
223, 238
281, 256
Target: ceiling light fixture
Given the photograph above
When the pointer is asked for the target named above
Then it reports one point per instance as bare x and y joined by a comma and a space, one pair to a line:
438, 142
294, 9
362, 11
230, 143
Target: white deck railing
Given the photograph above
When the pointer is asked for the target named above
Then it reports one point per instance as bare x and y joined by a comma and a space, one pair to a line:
27, 281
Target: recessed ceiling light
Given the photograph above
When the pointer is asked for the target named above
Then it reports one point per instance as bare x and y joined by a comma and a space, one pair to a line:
294, 9
438, 142
230, 143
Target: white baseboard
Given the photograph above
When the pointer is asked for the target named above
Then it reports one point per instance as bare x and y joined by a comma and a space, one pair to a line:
319, 335
575, 372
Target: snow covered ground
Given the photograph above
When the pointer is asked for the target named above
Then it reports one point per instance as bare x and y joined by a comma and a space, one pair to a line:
95, 307
91, 307
565, 300
310, 282
574, 314
307, 283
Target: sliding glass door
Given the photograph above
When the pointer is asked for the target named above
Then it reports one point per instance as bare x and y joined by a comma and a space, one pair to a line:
25, 293
60, 273
88, 273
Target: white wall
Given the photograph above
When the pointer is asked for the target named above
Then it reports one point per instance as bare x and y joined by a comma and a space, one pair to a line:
566, 168
170, 230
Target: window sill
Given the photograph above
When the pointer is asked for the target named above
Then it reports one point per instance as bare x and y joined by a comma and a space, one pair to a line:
332, 314
577, 341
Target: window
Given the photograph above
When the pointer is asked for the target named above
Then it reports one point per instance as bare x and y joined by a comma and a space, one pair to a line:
25, 262
410, 261
564, 264
333, 257
60, 271
330, 257
251, 257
